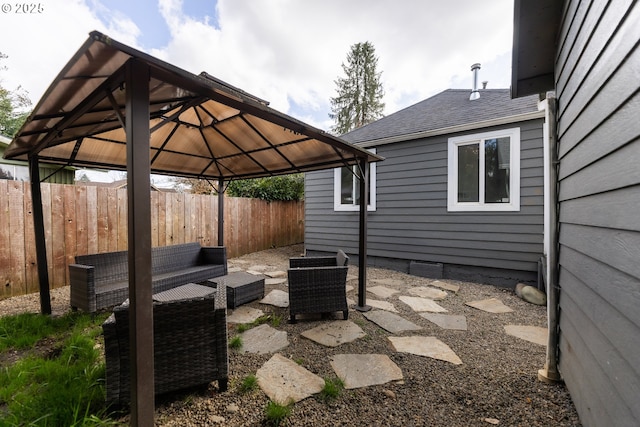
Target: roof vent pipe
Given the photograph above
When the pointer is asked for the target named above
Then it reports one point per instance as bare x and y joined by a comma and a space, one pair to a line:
475, 94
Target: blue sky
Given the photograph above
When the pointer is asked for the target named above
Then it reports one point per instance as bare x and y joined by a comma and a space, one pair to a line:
288, 52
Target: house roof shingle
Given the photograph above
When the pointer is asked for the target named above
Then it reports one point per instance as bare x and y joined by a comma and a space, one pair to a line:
446, 109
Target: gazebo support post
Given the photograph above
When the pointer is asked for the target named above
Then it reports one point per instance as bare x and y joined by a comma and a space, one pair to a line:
139, 235
220, 212
362, 255
38, 226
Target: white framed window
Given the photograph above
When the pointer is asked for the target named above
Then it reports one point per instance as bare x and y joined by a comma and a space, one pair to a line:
346, 188
484, 172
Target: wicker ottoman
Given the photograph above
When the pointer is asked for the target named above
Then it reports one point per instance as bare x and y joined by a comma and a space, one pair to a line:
242, 287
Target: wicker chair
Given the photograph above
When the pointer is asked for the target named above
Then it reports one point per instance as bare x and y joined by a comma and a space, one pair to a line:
318, 285
190, 344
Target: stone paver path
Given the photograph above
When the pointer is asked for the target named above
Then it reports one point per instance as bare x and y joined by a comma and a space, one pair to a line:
445, 286
382, 292
425, 346
491, 305
422, 304
275, 280
362, 370
391, 321
532, 334
285, 382
244, 314
447, 321
332, 334
426, 292
275, 274
263, 339
388, 282
382, 305
276, 298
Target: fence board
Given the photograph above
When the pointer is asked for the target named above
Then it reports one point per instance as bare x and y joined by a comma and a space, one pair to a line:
16, 233
92, 219
30, 243
5, 242
80, 220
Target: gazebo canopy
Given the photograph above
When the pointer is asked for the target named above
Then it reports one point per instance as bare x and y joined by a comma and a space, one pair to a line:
200, 126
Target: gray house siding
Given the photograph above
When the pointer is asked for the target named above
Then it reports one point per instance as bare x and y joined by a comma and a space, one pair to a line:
411, 222
598, 90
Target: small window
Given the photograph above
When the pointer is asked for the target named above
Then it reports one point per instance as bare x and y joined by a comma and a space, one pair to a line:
484, 172
346, 190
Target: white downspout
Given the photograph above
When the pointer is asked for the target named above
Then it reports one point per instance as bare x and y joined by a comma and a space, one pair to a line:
549, 373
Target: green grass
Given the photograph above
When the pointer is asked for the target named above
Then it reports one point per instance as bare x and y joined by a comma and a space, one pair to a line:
59, 377
235, 343
332, 389
275, 414
273, 319
249, 383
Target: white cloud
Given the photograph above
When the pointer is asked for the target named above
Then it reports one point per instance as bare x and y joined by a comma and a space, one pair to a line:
289, 51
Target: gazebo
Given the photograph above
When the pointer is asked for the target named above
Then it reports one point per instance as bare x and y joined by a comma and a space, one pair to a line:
115, 107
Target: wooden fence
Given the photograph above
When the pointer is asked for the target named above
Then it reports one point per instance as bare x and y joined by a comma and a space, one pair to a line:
81, 219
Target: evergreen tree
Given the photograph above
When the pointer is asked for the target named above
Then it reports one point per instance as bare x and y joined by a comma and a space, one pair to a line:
360, 93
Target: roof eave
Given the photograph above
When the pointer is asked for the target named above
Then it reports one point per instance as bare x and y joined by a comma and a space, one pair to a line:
536, 26
454, 129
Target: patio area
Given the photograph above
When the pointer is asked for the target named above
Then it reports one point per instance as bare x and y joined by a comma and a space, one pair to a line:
407, 362
479, 374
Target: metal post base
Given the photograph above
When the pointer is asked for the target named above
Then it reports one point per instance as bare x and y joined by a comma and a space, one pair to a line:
549, 377
363, 308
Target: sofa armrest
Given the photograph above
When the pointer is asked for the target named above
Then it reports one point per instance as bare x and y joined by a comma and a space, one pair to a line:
83, 287
216, 255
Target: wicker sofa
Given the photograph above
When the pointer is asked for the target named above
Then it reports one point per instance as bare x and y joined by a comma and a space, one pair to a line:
102, 280
189, 341
318, 285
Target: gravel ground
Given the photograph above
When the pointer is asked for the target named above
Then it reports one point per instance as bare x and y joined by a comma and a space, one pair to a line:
496, 384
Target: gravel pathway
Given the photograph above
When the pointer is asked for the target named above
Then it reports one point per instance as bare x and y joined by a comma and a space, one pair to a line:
495, 385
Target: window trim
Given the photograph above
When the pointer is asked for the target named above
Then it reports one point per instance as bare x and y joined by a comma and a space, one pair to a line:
514, 176
337, 189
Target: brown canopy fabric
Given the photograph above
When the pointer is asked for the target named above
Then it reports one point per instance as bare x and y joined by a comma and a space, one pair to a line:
200, 126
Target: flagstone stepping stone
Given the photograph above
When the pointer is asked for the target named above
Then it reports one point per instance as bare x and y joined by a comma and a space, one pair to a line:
388, 282
391, 321
425, 292
274, 280
233, 269
244, 314
277, 298
274, 274
254, 272
263, 339
261, 268
383, 305
382, 291
447, 321
351, 277
286, 382
349, 288
425, 346
491, 305
363, 370
350, 302
445, 286
332, 334
422, 304
532, 334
